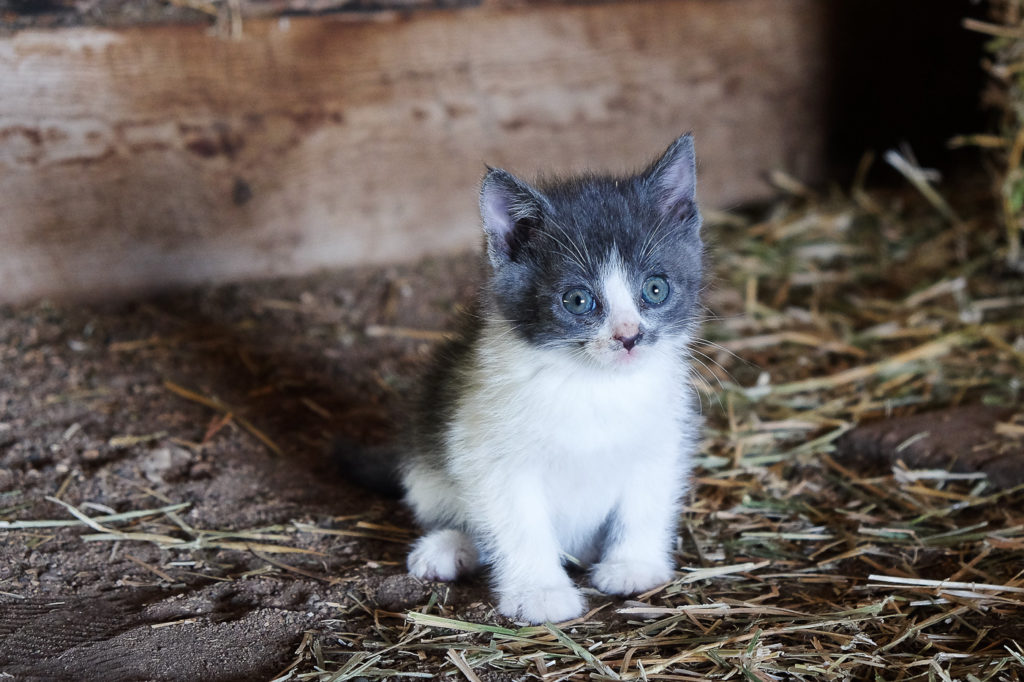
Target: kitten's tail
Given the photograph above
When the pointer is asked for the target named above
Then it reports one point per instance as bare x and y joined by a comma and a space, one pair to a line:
372, 467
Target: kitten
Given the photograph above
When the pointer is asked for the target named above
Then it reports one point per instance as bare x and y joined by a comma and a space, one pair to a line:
560, 421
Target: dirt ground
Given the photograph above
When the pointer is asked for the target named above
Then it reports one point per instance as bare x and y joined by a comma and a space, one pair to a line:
89, 415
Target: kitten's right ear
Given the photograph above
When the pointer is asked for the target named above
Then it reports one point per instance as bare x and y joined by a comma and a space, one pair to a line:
511, 210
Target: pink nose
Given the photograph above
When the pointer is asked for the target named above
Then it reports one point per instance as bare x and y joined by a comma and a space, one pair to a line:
629, 341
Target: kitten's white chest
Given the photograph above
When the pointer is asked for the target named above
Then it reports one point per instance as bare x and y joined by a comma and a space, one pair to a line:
584, 419
575, 437
543, 398
532, 399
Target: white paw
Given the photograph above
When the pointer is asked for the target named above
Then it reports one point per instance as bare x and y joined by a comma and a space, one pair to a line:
629, 577
542, 604
443, 555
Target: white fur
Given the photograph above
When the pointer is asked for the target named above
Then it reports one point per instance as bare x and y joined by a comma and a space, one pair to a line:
444, 554
549, 454
622, 321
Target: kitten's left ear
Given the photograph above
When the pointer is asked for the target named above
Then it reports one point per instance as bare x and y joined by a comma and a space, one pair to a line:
673, 180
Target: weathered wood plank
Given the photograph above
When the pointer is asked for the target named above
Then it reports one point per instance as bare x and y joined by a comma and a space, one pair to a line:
141, 158
225, 15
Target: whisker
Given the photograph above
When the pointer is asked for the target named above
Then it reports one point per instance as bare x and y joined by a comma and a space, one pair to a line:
579, 251
511, 328
711, 316
573, 255
487, 318
654, 246
717, 364
716, 346
708, 370
708, 391
647, 240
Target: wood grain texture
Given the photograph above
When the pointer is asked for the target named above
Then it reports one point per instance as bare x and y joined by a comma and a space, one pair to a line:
143, 158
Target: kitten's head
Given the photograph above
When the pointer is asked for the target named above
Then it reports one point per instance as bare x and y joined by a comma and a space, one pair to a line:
607, 269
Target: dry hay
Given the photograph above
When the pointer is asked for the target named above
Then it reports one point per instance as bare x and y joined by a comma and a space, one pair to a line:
1006, 95
793, 565
827, 311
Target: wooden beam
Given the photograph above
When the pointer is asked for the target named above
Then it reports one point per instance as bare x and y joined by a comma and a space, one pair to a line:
136, 159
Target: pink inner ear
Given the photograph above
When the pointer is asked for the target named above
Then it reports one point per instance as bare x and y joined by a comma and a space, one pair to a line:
677, 193
497, 202
494, 209
675, 179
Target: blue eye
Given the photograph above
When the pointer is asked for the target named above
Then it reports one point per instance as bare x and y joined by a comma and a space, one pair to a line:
578, 301
655, 290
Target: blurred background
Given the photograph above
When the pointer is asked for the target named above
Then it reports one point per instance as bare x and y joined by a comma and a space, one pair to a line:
160, 143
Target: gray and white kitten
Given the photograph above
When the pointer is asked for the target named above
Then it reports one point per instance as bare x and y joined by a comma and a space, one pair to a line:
560, 421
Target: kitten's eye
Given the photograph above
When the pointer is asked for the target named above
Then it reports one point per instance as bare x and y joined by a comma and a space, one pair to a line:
578, 301
655, 290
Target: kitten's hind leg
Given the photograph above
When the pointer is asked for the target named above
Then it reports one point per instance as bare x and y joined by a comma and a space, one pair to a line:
445, 554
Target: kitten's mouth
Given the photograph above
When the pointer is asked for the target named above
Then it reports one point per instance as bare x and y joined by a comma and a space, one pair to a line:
615, 356
619, 357
626, 357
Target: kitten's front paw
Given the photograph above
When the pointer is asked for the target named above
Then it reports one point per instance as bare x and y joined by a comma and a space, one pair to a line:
630, 577
443, 555
542, 604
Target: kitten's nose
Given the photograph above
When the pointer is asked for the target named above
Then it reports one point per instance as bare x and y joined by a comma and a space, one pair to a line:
629, 341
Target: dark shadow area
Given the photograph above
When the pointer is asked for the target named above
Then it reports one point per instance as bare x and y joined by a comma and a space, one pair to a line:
288, 378
903, 72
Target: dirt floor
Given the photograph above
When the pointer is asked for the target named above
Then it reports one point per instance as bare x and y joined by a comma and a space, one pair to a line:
91, 413
210, 414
